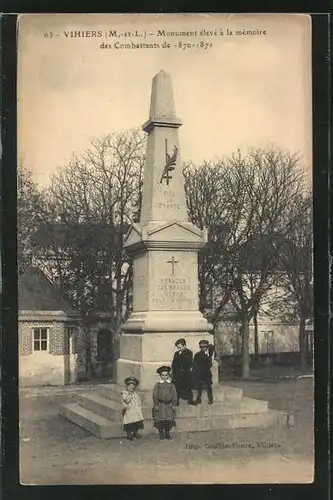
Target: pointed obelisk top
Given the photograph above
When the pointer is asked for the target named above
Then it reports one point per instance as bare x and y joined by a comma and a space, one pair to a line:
162, 103
162, 106
163, 198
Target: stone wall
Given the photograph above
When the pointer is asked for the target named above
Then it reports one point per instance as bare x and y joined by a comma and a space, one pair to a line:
25, 339
59, 342
78, 352
284, 338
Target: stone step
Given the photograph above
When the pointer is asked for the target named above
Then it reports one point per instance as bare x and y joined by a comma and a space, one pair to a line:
246, 405
263, 420
228, 394
232, 421
97, 425
104, 407
112, 410
104, 428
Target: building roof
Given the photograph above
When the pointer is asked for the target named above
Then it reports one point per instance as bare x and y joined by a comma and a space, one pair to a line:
37, 293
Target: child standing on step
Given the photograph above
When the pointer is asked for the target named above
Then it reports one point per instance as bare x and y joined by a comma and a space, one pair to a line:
132, 409
164, 400
202, 373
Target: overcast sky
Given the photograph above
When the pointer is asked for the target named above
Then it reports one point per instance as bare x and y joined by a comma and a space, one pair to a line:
245, 91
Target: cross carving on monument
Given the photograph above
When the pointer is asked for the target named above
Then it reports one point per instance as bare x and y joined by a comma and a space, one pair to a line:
172, 262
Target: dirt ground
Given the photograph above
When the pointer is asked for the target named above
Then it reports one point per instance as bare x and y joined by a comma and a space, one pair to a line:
55, 451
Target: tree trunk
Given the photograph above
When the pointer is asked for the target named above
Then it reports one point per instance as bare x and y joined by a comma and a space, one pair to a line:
245, 347
302, 345
129, 292
256, 339
116, 339
119, 289
88, 352
202, 294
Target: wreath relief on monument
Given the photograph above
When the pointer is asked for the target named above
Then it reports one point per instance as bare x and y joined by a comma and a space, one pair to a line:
170, 163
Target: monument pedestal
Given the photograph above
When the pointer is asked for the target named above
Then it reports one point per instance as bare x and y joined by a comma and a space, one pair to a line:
142, 354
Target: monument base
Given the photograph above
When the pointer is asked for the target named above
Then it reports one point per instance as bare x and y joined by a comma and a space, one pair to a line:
166, 321
146, 372
142, 354
100, 412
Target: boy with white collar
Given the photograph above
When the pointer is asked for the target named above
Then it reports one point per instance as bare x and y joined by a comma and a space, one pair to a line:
165, 400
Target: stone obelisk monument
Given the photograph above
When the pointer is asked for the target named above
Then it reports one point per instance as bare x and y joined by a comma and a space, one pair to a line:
164, 247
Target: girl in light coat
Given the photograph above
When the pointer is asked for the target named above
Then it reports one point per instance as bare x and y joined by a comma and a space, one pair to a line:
132, 409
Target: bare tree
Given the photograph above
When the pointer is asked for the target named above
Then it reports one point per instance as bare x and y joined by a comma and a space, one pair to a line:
245, 203
272, 181
30, 209
209, 205
91, 202
296, 257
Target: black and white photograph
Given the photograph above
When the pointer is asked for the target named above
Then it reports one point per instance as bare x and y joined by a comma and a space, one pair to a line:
165, 249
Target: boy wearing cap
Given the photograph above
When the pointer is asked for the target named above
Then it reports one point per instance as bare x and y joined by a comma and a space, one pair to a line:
164, 400
181, 371
201, 371
132, 409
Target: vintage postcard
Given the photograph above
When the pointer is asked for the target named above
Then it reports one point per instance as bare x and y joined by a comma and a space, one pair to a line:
165, 249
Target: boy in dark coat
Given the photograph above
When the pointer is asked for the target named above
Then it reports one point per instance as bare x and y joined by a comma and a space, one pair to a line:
201, 371
181, 371
164, 400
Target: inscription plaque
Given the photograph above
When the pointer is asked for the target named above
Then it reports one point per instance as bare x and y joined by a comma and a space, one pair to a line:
174, 283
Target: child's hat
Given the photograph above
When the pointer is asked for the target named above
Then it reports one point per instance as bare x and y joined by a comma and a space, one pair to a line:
162, 369
131, 380
180, 341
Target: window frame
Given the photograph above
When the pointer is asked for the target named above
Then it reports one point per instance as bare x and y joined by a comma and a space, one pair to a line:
269, 339
40, 340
